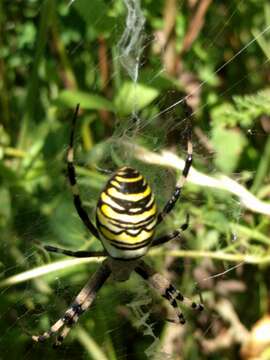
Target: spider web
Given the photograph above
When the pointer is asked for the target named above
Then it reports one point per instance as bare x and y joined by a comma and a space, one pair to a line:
131, 313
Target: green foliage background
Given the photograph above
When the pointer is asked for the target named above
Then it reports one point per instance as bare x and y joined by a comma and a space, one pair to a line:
53, 55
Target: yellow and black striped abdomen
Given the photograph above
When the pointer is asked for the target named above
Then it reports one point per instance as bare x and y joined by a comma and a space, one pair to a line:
126, 214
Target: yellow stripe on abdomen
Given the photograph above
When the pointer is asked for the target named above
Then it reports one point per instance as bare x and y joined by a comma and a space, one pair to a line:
128, 180
129, 197
134, 219
117, 225
126, 238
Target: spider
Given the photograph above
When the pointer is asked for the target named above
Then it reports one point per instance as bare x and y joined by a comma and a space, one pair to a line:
126, 219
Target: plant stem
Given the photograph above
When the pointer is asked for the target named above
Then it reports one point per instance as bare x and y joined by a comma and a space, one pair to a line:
263, 168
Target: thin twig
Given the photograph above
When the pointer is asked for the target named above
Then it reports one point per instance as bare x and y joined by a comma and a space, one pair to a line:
219, 255
168, 159
195, 25
45, 269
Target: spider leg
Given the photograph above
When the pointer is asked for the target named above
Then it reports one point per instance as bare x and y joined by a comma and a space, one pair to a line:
180, 183
166, 290
81, 303
72, 321
78, 254
73, 182
168, 237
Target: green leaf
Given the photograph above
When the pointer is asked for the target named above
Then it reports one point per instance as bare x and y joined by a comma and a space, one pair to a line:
228, 146
225, 113
71, 98
94, 13
134, 97
243, 111
90, 11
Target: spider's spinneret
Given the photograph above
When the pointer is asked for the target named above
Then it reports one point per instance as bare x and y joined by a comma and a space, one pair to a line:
126, 215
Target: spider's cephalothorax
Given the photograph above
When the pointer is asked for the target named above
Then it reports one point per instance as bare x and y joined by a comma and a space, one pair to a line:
126, 218
126, 215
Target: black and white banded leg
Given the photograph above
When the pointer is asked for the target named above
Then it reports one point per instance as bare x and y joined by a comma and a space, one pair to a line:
81, 303
166, 290
174, 235
180, 183
73, 182
77, 254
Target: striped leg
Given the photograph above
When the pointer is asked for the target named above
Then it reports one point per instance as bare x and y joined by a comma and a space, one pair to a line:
180, 183
73, 320
168, 237
73, 182
77, 254
81, 303
166, 290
